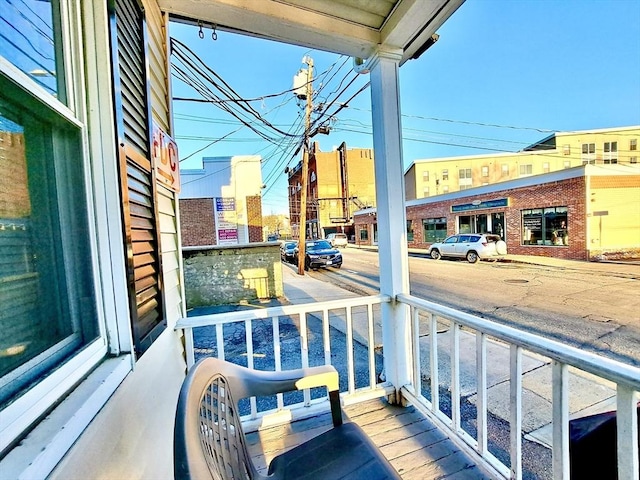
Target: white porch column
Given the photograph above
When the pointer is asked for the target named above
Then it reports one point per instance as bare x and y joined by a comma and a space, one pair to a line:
390, 203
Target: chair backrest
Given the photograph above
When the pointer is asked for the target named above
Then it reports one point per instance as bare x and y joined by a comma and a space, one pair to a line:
208, 438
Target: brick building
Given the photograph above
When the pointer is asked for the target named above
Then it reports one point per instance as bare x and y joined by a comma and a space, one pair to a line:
559, 151
221, 203
340, 183
584, 213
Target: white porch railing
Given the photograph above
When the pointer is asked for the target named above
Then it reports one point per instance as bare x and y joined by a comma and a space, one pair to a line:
355, 324
344, 327
625, 378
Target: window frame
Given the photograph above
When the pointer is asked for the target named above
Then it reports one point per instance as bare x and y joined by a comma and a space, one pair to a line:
434, 222
528, 169
610, 152
106, 248
588, 157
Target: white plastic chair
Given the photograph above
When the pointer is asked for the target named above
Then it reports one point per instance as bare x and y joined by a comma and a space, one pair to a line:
209, 442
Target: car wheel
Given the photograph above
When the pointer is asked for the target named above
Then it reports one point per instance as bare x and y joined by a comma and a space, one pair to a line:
435, 254
472, 257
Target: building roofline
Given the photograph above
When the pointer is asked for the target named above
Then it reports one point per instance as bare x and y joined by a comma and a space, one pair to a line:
566, 174
533, 180
522, 152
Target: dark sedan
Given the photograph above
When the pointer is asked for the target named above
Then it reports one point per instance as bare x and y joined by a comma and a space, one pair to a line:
320, 253
287, 251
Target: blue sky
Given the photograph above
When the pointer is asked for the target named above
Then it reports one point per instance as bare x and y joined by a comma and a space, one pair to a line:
504, 74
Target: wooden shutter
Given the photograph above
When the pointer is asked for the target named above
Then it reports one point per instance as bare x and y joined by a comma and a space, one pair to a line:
137, 177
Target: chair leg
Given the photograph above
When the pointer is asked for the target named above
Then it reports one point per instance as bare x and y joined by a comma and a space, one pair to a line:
336, 410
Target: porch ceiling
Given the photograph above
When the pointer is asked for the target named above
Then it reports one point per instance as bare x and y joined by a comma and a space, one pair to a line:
350, 27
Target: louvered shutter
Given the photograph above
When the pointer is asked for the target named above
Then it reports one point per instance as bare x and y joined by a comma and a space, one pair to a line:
137, 177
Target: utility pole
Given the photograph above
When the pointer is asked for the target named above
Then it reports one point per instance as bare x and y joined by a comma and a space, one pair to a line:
302, 235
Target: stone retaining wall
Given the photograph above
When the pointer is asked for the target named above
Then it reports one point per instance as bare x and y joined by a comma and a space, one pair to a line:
217, 275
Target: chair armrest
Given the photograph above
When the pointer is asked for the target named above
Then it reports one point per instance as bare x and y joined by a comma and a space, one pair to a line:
245, 382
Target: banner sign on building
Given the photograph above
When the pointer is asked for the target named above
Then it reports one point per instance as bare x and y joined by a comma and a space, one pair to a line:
165, 159
226, 221
479, 205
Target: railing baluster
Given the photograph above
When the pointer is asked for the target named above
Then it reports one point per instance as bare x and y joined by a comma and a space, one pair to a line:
190, 351
304, 352
433, 342
373, 381
627, 420
277, 354
350, 361
515, 382
455, 376
481, 376
560, 405
415, 334
327, 336
220, 341
248, 335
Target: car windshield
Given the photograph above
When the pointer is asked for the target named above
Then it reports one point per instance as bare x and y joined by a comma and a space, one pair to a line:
290, 245
318, 245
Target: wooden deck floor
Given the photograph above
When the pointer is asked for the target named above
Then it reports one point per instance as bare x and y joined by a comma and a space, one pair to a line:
414, 446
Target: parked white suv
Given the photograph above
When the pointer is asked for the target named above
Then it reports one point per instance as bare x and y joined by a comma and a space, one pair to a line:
337, 239
472, 246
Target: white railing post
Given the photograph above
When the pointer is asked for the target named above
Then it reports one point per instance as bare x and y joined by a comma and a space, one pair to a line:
277, 355
372, 346
455, 376
220, 340
350, 359
515, 383
391, 215
417, 363
481, 406
627, 421
560, 405
304, 352
189, 347
433, 362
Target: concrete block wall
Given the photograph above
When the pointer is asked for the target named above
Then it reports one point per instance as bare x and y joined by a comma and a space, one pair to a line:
226, 275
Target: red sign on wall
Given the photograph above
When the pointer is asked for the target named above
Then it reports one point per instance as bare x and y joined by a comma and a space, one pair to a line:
165, 159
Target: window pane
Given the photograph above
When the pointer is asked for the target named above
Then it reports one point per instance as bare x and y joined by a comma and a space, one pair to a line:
532, 227
435, 229
30, 40
47, 299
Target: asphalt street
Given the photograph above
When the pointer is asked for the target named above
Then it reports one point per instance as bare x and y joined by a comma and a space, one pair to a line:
594, 306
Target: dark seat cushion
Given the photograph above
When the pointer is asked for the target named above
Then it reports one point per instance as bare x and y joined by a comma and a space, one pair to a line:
344, 452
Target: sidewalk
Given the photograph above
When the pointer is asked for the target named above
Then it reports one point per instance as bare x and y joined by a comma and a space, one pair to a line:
617, 268
588, 395
306, 289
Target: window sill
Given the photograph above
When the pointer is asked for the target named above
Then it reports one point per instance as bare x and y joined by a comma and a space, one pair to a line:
40, 451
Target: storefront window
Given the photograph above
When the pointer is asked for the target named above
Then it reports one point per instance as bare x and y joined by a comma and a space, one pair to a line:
545, 226
435, 229
409, 230
364, 234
